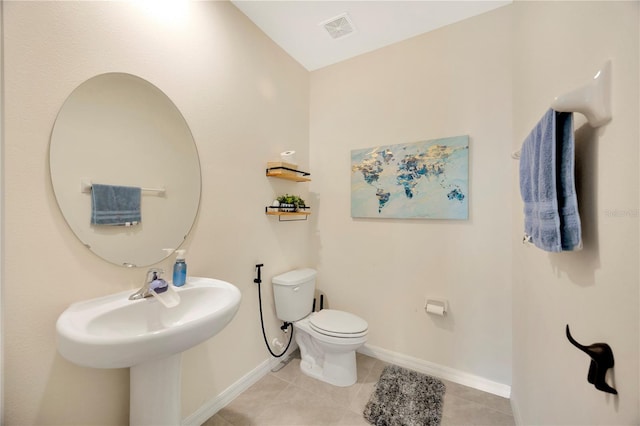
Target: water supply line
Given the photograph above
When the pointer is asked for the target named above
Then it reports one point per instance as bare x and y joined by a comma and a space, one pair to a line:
285, 325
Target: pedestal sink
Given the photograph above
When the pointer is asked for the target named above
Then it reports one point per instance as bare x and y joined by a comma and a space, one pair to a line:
115, 332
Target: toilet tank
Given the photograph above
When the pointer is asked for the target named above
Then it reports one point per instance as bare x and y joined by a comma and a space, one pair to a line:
293, 294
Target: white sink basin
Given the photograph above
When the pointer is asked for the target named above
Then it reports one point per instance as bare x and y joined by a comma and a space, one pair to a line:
115, 332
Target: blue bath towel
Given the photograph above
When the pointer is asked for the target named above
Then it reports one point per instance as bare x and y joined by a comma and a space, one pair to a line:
547, 184
115, 205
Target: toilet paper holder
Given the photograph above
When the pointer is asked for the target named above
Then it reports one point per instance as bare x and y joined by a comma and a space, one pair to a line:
436, 307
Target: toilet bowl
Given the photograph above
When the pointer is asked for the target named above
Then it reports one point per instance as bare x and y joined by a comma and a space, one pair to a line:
327, 339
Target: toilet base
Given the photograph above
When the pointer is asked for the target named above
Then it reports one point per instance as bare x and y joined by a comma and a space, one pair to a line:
329, 359
336, 369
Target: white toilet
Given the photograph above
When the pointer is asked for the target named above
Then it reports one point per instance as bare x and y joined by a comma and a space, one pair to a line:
328, 339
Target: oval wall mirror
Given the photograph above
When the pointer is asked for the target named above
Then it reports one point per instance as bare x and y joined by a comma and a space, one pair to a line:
118, 129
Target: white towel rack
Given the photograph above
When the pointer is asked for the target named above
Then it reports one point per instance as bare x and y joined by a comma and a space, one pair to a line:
85, 186
593, 100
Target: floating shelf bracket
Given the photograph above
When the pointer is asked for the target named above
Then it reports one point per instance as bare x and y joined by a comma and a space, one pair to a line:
288, 173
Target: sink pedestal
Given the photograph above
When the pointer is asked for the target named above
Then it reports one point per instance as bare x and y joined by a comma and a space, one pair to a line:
155, 392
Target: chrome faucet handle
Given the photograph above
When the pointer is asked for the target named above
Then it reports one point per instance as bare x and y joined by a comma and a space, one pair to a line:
145, 290
152, 274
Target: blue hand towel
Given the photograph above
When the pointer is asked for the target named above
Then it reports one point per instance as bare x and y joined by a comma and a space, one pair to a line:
115, 205
570, 226
547, 184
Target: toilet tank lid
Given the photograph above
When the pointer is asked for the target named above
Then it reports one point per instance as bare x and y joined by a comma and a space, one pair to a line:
295, 277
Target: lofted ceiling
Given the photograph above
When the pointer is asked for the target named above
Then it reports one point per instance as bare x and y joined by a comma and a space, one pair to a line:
297, 26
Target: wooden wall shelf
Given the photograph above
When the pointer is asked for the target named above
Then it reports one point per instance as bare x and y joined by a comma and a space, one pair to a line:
273, 211
288, 213
287, 171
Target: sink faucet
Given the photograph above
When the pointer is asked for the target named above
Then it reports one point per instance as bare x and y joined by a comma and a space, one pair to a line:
145, 290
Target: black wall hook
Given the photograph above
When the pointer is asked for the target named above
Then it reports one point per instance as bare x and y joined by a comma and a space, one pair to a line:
601, 360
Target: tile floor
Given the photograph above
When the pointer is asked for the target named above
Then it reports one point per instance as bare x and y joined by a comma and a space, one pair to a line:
290, 398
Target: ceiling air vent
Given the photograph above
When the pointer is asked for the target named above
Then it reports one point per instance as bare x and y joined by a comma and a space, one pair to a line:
339, 26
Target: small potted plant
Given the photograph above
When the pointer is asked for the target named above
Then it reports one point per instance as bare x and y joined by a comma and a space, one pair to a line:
290, 203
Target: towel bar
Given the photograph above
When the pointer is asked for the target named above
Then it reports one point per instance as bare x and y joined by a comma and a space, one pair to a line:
85, 186
593, 100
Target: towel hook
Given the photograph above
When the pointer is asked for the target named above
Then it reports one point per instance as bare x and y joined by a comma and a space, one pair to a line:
601, 360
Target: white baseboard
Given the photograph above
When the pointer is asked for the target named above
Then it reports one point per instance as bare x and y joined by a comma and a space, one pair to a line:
515, 409
211, 407
437, 370
214, 405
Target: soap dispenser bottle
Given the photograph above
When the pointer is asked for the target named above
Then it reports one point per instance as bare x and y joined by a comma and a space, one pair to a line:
180, 269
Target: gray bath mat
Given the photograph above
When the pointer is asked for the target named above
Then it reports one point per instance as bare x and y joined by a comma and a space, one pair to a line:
405, 398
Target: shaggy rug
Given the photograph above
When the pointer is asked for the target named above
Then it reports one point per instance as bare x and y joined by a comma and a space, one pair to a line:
405, 398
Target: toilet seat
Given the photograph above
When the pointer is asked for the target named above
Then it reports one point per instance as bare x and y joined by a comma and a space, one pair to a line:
331, 322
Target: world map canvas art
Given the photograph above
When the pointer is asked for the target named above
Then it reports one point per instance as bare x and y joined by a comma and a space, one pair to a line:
421, 180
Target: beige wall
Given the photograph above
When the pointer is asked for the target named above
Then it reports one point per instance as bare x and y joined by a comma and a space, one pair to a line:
469, 79
490, 77
560, 46
454, 81
245, 101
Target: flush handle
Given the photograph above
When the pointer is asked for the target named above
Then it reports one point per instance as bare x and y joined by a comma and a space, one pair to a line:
296, 288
